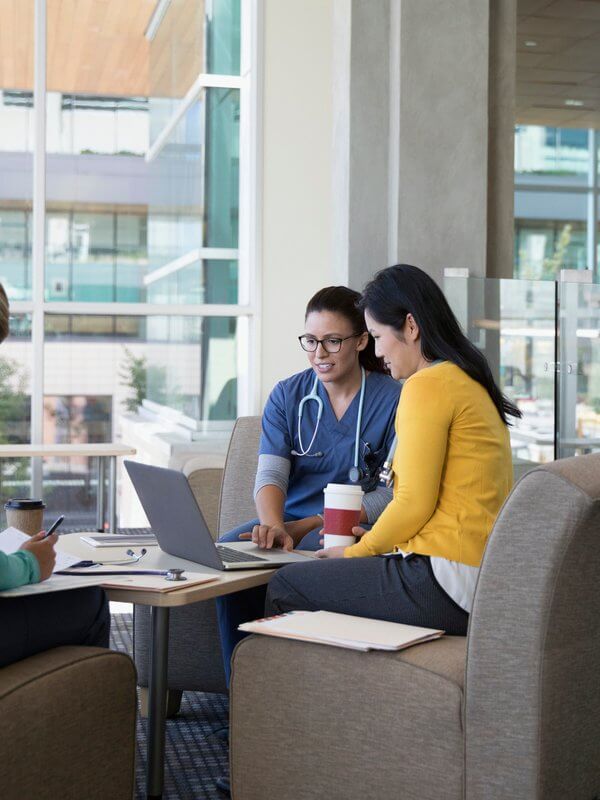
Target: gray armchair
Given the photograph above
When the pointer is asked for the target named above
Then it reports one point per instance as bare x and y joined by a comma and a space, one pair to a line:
512, 711
68, 726
195, 661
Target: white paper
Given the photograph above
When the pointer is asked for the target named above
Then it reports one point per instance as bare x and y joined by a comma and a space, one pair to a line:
11, 540
55, 583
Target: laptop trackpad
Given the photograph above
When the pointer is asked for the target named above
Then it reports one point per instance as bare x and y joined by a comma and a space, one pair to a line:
274, 554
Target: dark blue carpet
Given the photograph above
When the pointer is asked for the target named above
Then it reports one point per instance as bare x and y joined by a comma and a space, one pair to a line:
195, 756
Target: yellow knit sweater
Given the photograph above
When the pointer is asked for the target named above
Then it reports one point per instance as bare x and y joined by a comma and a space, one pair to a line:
452, 470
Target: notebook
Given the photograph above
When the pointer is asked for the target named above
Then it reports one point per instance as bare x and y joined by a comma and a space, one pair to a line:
342, 630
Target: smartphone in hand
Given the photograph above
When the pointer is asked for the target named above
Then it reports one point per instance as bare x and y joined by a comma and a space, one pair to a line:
54, 526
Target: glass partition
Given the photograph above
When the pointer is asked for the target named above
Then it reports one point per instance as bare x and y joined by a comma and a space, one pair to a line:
514, 324
578, 428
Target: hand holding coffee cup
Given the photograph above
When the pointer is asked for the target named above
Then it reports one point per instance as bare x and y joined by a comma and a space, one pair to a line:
341, 513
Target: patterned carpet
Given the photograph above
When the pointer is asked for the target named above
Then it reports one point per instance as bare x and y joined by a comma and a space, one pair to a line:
195, 757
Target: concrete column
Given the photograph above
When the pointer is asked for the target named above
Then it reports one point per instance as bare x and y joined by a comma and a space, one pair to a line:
501, 139
427, 100
361, 131
361, 166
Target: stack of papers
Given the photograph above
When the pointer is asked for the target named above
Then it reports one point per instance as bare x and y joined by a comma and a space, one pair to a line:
342, 630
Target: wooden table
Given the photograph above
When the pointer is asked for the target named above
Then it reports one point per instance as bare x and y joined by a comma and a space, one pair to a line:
160, 604
110, 451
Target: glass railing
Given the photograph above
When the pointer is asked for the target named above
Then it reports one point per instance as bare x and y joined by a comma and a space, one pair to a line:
542, 342
577, 424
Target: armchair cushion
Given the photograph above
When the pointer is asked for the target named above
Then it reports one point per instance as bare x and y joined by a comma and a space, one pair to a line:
68, 725
394, 720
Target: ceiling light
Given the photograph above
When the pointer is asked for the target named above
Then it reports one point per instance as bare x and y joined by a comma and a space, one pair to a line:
530, 43
573, 102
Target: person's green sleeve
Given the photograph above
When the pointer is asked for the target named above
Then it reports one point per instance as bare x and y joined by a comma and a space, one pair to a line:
18, 569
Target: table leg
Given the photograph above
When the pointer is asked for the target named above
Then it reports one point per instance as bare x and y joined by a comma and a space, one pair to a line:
157, 702
112, 495
101, 494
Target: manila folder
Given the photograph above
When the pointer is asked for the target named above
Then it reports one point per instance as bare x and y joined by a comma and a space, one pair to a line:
342, 630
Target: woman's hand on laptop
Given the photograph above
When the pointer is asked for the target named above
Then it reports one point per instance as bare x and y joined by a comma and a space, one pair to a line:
269, 536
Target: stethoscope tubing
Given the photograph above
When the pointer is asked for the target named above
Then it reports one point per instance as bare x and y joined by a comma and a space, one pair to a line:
90, 572
305, 451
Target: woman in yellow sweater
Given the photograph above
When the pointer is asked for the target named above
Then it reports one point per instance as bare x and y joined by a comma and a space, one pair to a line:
451, 473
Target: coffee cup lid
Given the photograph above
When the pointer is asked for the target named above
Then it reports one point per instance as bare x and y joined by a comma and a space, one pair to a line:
343, 488
24, 504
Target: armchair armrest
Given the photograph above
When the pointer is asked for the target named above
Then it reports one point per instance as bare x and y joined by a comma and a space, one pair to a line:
68, 725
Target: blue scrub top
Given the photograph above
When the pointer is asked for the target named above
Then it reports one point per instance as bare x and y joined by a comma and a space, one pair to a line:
335, 439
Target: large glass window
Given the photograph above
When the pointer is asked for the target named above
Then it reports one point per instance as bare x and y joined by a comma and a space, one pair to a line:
554, 183
141, 208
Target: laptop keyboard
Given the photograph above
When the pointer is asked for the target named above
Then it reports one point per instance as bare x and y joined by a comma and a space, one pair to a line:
232, 556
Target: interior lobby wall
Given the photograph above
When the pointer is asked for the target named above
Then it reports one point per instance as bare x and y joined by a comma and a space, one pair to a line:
297, 177
387, 136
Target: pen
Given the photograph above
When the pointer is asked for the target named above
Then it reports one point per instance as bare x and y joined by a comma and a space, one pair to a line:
54, 526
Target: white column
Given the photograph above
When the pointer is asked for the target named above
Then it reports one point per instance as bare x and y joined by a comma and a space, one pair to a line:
297, 188
592, 204
39, 239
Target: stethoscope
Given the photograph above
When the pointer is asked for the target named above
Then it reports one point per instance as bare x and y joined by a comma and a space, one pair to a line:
386, 473
87, 568
355, 473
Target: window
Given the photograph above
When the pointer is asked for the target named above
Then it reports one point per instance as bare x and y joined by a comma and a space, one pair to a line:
142, 269
554, 183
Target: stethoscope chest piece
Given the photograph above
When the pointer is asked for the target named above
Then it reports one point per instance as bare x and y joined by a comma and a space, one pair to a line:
355, 475
175, 575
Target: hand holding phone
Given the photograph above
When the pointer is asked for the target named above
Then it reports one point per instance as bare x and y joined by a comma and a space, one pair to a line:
54, 526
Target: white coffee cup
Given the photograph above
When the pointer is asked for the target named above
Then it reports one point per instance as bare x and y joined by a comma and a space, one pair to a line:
341, 513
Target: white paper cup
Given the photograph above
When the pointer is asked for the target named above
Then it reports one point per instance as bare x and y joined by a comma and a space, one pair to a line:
341, 513
333, 540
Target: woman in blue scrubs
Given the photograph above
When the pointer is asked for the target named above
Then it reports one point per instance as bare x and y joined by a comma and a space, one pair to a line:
297, 459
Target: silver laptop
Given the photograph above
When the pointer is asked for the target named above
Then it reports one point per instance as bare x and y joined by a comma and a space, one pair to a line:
177, 522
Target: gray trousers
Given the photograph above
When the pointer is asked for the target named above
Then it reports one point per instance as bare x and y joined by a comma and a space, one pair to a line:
390, 588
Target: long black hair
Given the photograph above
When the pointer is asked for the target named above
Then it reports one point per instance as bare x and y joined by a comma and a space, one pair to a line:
344, 301
397, 291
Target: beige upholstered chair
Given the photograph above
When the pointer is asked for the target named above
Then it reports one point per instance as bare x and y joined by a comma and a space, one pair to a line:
195, 661
68, 726
512, 712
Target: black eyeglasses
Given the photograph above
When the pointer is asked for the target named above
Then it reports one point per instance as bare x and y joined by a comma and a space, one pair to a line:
332, 344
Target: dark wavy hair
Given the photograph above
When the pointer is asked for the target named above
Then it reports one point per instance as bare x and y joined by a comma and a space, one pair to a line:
403, 289
344, 301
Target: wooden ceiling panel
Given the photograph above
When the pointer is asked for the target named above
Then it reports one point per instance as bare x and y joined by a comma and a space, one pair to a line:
16, 44
177, 51
93, 46
539, 89
576, 9
556, 26
572, 77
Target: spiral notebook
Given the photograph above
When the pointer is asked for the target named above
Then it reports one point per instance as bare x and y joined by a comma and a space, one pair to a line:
342, 630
